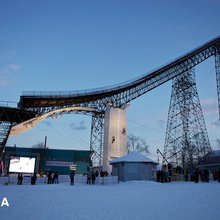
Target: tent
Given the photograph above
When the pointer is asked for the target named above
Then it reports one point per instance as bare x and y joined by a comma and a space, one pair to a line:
133, 166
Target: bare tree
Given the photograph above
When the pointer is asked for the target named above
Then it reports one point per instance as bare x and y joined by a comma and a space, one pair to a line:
218, 143
39, 145
136, 143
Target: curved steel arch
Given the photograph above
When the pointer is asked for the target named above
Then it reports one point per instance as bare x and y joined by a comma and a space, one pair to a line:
26, 125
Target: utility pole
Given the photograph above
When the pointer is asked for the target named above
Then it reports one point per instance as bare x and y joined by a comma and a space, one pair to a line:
45, 142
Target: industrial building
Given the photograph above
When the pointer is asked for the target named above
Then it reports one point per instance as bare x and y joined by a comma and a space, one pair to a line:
210, 161
54, 160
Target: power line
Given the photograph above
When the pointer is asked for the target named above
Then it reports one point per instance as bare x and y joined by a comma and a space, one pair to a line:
75, 137
145, 125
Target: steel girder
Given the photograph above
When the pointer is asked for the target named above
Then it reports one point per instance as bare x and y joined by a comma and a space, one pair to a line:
217, 67
15, 115
186, 135
8, 117
5, 128
96, 139
156, 79
126, 92
165, 74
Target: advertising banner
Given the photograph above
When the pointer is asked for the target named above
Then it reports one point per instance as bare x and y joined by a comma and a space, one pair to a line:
58, 163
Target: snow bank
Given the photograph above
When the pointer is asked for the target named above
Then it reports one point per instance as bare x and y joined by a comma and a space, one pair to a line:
130, 200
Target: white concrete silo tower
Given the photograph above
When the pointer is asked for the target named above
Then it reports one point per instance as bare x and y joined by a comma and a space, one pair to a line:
115, 136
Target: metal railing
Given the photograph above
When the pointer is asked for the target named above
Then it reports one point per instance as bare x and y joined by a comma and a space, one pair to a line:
128, 83
8, 104
79, 179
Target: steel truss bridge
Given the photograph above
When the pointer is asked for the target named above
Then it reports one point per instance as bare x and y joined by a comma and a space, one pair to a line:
36, 104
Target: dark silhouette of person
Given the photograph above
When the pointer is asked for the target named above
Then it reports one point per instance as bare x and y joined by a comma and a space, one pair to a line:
158, 176
52, 178
96, 173
196, 176
20, 179
72, 174
56, 178
101, 174
89, 177
49, 177
33, 179
113, 139
219, 175
215, 175
106, 173
206, 176
93, 177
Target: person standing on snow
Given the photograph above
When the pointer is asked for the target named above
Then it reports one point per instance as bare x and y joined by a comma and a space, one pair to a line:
196, 175
56, 175
72, 174
93, 177
219, 175
33, 179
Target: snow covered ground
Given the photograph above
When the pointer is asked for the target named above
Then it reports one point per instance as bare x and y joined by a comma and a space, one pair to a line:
131, 201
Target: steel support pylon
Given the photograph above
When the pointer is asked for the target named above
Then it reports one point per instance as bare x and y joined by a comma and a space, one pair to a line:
217, 67
96, 139
186, 135
5, 128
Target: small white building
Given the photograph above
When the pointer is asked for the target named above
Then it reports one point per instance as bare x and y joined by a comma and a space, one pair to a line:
133, 166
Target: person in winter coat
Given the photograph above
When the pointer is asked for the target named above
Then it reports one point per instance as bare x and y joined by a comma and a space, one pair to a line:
56, 175
219, 175
206, 175
49, 177
72, 174
196, 176
96, 173
20, 179
89, 177
93, 177
33, 179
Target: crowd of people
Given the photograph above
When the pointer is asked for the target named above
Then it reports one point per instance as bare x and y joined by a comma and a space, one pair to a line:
20, 179
164, 174
203, 175
52, 178
216, 175
196, 175
92, 175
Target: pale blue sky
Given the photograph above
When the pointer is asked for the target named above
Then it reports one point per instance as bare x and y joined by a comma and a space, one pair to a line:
68, 45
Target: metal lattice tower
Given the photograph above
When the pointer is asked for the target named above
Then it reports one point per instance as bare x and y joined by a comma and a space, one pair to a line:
5, 128
217, 67
96, 139
186, 134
